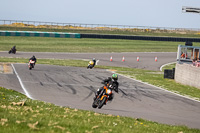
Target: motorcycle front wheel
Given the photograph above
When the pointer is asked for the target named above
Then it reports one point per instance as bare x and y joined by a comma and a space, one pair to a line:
95, 103
102, 102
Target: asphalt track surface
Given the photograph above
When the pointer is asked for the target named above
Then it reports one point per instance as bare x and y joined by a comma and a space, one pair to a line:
146, 60
75, 87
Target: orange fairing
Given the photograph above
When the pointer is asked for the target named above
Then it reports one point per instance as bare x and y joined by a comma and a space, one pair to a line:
108, 91
104, 96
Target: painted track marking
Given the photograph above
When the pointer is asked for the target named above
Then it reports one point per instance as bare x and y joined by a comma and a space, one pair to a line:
21, 83
166, 65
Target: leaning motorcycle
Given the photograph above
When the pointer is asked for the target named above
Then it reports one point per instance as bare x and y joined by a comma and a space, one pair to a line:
31, 64
102, 98
12, 51
90, 65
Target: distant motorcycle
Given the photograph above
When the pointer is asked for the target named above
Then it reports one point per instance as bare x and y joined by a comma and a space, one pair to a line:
12, 51
90, 65
31, 64
102, 98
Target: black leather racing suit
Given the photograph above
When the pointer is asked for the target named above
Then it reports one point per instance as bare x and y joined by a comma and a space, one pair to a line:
113, 85
33, 59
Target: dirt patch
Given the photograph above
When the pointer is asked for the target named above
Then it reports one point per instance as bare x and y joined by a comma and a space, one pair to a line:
6, 68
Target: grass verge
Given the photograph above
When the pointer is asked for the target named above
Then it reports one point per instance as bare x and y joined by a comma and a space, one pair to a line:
20, 114
169, 66
44, 44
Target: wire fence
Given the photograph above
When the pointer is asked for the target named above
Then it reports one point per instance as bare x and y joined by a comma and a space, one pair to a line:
56, 25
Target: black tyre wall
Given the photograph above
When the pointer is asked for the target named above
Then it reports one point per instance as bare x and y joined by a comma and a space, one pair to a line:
150, 38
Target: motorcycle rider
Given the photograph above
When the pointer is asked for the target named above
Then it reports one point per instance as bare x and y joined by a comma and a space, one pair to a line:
13, 50
92, 63
94, 60
111, 83
33, 59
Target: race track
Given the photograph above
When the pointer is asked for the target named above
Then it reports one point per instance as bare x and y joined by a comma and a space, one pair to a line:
75, 87
146, 60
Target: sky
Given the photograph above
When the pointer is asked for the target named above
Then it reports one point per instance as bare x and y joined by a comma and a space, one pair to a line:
155, 13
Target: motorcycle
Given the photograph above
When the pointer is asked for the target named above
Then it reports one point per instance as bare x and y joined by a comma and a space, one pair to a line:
12, 51
102, 98
90, 65
31, 64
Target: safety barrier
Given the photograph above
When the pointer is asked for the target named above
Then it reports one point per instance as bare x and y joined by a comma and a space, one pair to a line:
187, 74
77, 35
150, 38
39, 34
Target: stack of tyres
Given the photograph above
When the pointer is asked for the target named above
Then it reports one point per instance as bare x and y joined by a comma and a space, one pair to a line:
169, 73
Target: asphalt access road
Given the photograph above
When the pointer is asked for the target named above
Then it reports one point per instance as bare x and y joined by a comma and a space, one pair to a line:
75, 87
146, 60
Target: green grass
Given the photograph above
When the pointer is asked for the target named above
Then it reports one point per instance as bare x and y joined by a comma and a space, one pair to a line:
42, 44
170, 66
20, 114
118, 32
157, 79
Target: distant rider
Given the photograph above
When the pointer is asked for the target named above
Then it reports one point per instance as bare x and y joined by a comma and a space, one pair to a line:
13, 50
110, 82
33, 59
94, 60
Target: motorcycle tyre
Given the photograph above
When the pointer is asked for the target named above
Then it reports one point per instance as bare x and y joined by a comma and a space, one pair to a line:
102, 102
95, 103
30, 67
90, 66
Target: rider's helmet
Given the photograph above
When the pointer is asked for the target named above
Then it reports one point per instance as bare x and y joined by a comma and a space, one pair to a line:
115, 76
93, 59
33, 56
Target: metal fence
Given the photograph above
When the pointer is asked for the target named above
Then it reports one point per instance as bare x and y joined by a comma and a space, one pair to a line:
56, 25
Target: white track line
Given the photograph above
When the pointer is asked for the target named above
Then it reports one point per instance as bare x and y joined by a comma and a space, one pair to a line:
20, 81
156, 87
166, 65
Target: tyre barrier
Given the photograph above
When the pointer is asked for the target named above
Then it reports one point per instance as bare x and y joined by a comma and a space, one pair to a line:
149, 38
39, 34
77, 35
169, 73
